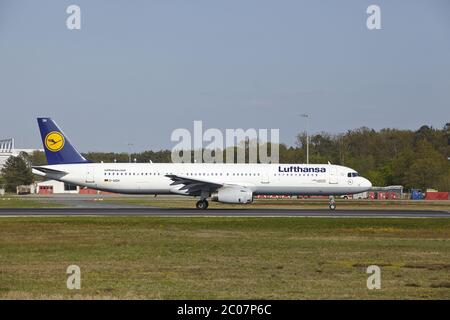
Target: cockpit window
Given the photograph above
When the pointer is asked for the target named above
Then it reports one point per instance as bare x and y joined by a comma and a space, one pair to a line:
352, 174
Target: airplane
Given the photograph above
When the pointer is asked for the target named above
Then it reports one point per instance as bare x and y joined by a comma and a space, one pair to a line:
225, 183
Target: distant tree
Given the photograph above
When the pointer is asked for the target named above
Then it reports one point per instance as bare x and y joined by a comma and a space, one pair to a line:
424, 133
37, 158
400, 165
376, 177
16, 172
444, 182
427, 167
106, 156
158, 156
446, 134
2, 182
447, 127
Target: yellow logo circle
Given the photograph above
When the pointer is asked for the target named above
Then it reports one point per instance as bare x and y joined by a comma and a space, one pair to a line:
54, 141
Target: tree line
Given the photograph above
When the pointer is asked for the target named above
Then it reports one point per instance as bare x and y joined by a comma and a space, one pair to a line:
414, 159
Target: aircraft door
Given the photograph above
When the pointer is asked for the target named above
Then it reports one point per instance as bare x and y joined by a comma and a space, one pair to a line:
333, 179
90, 175
265, 178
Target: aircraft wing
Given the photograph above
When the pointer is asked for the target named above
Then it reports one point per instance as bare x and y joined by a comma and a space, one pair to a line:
193, 186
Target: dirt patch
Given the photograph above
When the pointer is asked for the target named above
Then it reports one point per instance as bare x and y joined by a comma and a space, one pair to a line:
435, 266
440, 285
365, 265
414, 285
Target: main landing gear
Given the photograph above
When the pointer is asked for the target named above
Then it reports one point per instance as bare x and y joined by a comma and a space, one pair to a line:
202, 204
332, 203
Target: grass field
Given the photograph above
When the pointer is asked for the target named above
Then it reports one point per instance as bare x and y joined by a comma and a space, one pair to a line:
21, 202
226, 258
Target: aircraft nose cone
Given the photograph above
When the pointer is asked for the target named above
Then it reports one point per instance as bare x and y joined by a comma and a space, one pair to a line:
367, 183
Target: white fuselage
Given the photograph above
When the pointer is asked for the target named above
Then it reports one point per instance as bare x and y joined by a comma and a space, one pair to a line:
150, 178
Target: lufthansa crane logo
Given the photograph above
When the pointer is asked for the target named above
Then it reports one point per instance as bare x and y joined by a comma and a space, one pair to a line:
54, 141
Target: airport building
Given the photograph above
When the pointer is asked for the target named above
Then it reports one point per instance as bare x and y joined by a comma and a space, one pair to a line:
7, 149
53, 186
50, 187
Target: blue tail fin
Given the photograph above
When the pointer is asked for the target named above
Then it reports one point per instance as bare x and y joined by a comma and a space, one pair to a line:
58, 149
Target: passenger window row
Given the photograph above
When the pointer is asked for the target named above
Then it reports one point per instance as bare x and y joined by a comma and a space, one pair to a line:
188, 174
130, 174
296, 174
215, 174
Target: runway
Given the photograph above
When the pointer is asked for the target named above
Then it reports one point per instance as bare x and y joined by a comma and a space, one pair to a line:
163, 212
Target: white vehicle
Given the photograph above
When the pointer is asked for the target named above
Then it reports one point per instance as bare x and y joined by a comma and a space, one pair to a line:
361, 195
227, 183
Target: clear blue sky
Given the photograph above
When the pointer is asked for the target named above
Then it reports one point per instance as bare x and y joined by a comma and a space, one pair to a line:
137, 70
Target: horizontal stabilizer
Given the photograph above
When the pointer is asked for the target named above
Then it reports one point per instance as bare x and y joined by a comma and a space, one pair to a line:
48, 170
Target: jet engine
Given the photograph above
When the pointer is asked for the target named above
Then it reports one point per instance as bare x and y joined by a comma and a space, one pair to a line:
233, 195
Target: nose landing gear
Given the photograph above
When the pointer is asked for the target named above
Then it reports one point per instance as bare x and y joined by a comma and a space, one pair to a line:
332, 203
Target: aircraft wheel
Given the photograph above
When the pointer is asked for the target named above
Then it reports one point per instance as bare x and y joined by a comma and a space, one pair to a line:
332, 203
202, 204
